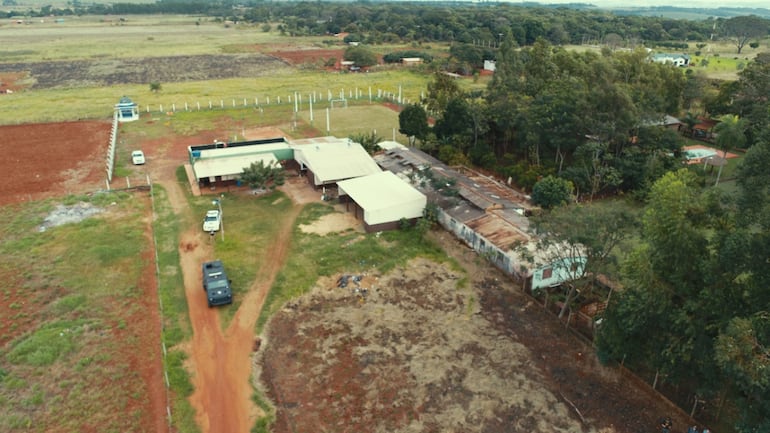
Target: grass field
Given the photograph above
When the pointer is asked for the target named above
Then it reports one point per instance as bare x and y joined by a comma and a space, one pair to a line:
93, 37
79, 298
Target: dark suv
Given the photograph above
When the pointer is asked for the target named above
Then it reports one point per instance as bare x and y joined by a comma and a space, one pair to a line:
216, 284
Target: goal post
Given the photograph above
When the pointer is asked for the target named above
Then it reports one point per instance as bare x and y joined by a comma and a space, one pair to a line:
340, 103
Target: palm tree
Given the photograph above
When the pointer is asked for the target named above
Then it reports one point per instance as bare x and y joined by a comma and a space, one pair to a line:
690, 120
729, 134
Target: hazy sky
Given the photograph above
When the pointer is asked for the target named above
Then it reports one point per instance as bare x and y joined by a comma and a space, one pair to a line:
687, 4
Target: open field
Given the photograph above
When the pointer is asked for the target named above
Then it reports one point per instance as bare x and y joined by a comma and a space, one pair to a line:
93, 37
79, 319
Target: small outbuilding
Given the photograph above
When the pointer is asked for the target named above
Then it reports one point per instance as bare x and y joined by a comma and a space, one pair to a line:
126, 110
382, 200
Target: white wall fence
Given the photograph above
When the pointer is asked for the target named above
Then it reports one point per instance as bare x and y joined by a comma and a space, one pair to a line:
111, 149
300, 100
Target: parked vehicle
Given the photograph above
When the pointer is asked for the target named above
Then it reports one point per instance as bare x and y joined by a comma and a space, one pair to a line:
212, 222
216, 284
137, 157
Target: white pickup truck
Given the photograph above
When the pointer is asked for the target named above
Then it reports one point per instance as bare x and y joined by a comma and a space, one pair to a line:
212, 222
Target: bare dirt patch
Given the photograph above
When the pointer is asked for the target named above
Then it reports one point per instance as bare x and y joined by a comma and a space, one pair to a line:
415, 352
169, 69
309, 55
336, 222
52, 159
11, 82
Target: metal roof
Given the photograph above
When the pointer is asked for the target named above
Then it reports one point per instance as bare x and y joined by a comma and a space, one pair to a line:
229, 165
333, 159
380, 191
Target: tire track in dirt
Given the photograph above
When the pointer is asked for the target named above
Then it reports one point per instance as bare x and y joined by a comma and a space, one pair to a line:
221, 360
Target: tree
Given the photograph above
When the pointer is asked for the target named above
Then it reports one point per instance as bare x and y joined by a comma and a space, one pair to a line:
690, 120
730, 134
567, 234
367, 141
361, 56
660, 319
742, 351
552, 191
259, 176
749, 96
456, 119
741, 29
155, 87
413, 122
441, 90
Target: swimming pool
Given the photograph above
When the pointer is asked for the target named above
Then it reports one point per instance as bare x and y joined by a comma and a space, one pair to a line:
697, 153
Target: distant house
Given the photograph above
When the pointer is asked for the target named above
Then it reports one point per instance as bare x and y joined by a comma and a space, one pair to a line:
680, 60
410, 61
126, 110
489, 65
667, 121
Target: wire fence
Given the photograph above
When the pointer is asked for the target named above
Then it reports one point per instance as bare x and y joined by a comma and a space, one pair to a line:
300, 100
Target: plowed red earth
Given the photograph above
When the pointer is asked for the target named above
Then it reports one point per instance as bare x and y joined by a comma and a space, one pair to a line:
52, 159
419, 353
298, 57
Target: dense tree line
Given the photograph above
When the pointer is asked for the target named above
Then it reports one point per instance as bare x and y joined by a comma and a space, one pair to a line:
696, 304
476, 24
590, 118
695, 307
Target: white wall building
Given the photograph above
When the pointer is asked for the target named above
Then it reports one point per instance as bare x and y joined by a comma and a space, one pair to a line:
382, 200
329, 160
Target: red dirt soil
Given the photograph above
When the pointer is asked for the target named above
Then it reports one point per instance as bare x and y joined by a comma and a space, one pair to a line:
52, 159
298, 57
9, 82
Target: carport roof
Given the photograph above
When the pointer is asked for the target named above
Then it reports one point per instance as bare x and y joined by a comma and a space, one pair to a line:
380, 191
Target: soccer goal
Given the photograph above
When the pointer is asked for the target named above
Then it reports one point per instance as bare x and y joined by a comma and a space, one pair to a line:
340, 103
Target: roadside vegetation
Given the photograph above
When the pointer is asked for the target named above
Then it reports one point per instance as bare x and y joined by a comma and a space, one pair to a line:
173, 303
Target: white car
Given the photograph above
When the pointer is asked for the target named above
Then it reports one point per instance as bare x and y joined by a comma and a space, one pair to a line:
212, 222
137, 157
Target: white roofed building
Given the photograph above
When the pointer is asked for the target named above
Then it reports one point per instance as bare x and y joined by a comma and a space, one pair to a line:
223, 163
229, 167
328, 160
382, 200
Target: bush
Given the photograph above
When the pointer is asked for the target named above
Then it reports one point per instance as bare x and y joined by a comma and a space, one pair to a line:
551, 192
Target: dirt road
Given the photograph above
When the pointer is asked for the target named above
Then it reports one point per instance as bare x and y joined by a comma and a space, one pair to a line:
220, 360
